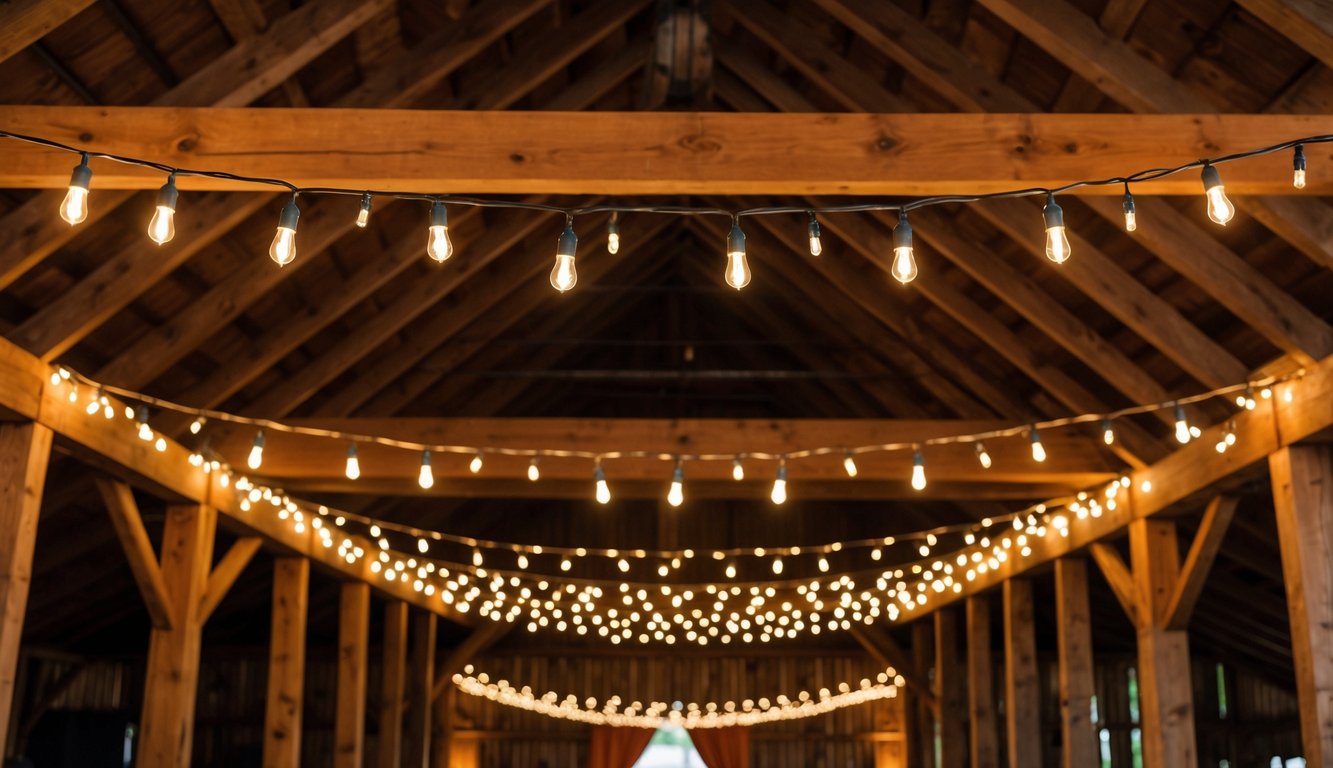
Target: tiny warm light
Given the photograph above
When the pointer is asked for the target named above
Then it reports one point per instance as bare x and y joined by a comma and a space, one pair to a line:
1038, 450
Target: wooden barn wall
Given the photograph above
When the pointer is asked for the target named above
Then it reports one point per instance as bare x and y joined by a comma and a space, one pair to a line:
1260, 719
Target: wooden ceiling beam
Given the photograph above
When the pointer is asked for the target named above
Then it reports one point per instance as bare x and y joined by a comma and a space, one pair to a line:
470, 261
244, 19
603, 78
762, 79
1307, 24
927, 57
1115, 290
1135, 444
24, 22
659, 153
1187, 248
1307, 226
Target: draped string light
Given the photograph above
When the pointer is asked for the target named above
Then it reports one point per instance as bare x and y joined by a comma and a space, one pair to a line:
616, 713
74, 209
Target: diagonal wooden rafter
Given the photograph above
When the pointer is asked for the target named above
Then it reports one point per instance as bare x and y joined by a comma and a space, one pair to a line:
1105, 282
243, 20
24, 22
1308, 24
138, 548
225, 573
1198, 562
1120, 579
464, 653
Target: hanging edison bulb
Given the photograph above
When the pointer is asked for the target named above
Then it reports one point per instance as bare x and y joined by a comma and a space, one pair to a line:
983, 457
676, 495
74, 208
613, 234
1108, 433
779, 494
145, 431
353, 470
1038, 450
363, 214
918, 471
849, 464
438, 245
534, 474
1131, 221
812, 231
1220, 208
738, 269
256, 457
197, 425
475, 465
162, 227
1298, 167
1182, 425
1057, 242
563, 274
737, 470
425, 477
283, 248
904, 262
731, 570
603, 490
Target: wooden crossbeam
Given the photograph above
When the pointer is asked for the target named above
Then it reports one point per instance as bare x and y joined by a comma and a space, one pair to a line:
24, 22
119, 500
1120, 579
1194, 572
636, 153
225, 573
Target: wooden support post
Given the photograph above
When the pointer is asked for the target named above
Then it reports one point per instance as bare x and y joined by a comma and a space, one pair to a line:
393, 677
1022, 701
416, 752
349, 725
443, 712
950, 690
923, 652
984, 741
286, 663
24, 451
1303, 497
171, 686
1074, 638
1166, 699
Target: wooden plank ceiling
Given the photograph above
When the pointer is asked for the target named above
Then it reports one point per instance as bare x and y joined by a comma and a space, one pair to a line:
362, 326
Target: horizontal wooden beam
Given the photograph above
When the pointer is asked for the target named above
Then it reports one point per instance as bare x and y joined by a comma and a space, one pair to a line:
659, 153
1076, 460
111, 445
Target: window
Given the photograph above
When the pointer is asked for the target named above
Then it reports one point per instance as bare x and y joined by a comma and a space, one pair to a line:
670, 748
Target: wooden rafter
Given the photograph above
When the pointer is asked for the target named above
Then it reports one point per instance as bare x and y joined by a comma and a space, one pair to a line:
1309, 25
1198, 562
24, 22
664, 153
138, 548
225, 573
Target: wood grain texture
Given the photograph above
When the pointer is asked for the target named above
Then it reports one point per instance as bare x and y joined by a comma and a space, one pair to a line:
393, 677
24, 22
983, 737
1079, 743
1022, 688
349, 727
286, 667
124, 512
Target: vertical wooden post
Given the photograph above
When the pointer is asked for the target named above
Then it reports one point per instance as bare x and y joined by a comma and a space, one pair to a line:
950, 691
984, 741
443, 714
420, 692
24, 451
1166, 699
1074, 639
1303, 497
349, 729
923, 653
286, 663
1021, 688
394, 675
171, 686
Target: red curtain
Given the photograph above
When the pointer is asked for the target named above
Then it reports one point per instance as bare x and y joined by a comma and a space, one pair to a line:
723, 747
617, 747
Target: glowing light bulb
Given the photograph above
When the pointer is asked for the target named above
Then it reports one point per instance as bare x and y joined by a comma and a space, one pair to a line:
1057, 242
1246, 399
1182, 426
1298, 167
731, 570
423, 546
904, 263
534, 474
283, 248
74, 208
1131, 221
438, 245
613, 234
145, 431
477, 560
603, 490
823, 564
162, 227
849, 464
816, 244
676, 495
523, 562
918, 471
353, 463
475, 466
1038, 450
779, 494
983, 457
1220, 208
738, 269
425, 478
256, 457
563, 274
1108, 433
777, 565
363, 215
197, 425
